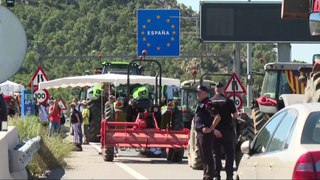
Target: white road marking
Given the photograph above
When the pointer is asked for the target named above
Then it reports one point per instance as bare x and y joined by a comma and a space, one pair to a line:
131, 171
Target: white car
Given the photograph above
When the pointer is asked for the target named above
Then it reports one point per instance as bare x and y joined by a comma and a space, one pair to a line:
287, 147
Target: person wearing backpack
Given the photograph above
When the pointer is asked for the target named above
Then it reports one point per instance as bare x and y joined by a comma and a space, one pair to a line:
76, 125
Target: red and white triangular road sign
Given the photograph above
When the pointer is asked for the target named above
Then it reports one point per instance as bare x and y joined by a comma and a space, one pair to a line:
39, 76
234, 82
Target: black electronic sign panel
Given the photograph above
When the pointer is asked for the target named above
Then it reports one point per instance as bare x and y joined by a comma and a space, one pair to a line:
250, 22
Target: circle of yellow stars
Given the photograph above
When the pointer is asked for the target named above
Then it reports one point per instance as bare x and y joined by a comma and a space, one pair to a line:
173, 32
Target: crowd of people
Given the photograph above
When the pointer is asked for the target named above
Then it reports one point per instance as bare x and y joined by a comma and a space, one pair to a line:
214, 126
53, 114
213, 123
13, 104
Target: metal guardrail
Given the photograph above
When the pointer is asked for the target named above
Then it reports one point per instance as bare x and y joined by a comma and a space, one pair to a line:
22, 154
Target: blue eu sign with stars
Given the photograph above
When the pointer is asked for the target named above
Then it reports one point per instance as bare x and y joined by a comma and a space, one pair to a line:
159, 32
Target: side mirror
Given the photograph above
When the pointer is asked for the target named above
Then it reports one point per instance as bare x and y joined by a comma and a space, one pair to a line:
245, 147
314, 23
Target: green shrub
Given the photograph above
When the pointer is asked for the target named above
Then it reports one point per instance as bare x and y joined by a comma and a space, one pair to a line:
53, 149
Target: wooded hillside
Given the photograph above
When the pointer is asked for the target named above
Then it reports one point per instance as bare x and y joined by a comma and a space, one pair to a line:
90, 27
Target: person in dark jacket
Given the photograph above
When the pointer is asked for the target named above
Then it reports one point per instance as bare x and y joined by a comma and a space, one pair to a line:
206, 119
228, 112
76, 123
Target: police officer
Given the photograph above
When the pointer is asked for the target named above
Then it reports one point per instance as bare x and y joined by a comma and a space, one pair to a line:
206, 118
227, 111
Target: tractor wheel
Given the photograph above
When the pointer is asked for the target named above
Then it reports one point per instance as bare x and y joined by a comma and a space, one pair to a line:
94, 130
316, 85
177, 123
110, 117
169, 153
312, 91
246, 128
194, 157
108, 154
308, 92
95, 121
110, 113
259, 119
246, 132
315, 76
175, 155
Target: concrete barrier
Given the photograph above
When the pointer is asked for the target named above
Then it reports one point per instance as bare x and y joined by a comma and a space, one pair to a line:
14, 155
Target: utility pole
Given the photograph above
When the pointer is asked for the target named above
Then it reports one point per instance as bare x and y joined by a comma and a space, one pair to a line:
249, 72
236, 60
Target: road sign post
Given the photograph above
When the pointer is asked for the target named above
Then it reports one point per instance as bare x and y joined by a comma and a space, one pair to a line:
237, 100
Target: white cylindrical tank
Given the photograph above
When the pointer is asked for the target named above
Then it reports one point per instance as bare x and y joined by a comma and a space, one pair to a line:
13, 44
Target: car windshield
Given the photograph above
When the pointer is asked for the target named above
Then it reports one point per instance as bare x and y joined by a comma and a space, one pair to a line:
311, 129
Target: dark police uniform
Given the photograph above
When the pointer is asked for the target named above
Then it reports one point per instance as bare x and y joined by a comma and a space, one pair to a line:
204, 118
225, 108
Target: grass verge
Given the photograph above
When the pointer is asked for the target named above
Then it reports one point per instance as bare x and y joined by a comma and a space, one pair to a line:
53, 149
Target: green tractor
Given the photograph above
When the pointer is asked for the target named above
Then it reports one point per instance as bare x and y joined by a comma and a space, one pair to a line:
93, 94
139, 121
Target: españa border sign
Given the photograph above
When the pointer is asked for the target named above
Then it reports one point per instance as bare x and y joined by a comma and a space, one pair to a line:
159, 32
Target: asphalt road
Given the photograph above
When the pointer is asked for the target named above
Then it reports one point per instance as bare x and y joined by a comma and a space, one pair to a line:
129, 164
89, 164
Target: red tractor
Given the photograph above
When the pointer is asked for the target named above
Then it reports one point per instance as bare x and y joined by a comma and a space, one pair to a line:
280, 78
143, 124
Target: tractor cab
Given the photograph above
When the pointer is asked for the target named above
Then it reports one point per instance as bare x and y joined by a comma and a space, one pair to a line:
121, 68
189, 98
279, 78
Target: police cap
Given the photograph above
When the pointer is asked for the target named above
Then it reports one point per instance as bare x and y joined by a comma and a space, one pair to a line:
202, 88
219, 85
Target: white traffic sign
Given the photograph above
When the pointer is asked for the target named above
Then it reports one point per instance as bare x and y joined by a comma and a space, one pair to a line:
237, 100
39, 76
42, 95
234, 85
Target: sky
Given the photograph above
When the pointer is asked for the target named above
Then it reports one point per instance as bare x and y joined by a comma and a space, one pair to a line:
301, 52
